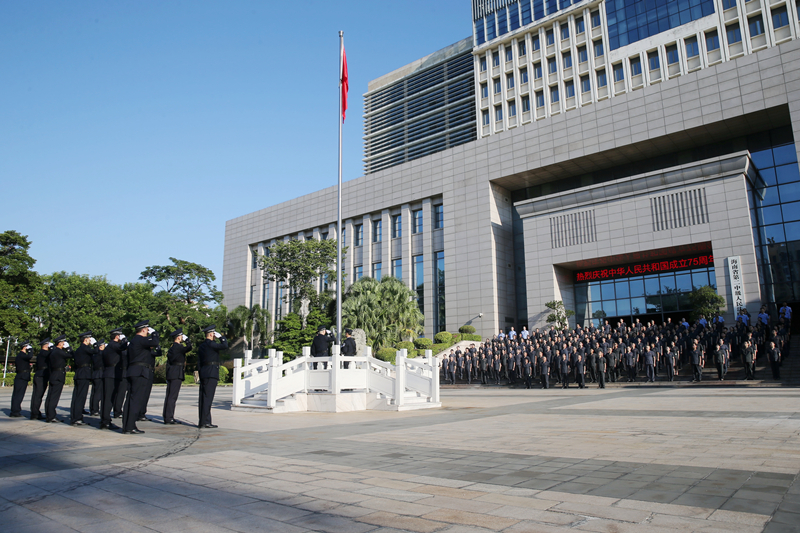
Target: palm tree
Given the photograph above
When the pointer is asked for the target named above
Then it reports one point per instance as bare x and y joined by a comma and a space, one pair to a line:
251, 325
386, 310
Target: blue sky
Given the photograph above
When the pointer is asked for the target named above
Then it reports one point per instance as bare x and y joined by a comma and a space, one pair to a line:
131, 131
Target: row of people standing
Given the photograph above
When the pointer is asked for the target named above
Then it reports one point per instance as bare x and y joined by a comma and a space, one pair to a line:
120, 372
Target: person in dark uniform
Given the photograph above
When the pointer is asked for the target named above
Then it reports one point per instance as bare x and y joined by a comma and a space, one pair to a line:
83, 377
696, 356
451, 369
348, 347
154, 352
21, 379
748, 356
719, 359
208, 361
484, 362
468, 364
630, 363
670, 361
97, 380
497, 366
601, 370
527, 371
650, 363
580, 372
176, 362
40, 378
56, 364
564, 367
112, 377
544, 370
774, 357
319, 346
140, 372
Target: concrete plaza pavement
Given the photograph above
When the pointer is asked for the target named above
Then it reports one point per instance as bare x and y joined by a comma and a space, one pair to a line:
615, 460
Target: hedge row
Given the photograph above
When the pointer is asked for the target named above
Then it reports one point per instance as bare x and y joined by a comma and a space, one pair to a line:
443, 340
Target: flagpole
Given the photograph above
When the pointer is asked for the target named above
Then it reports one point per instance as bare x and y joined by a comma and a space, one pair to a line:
339, 206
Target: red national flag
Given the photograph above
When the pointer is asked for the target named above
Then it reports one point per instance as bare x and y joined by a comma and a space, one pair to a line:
344, 82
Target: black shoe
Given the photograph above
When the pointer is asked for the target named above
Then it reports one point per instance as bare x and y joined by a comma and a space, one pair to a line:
79, 423
170, 422
96, 413
86, 411
210, 426
15, 415
53, 421
142, 419
133, 432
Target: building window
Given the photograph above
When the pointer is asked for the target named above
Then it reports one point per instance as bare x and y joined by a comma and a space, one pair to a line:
358, 235
502, 24
509, 54
265, 296
586, 85
416, 221
692, 50
483, 64
550, 37
580, 26
595, 19
377, 230
652, 60
397, 226
513, 17
359, 273
564, 31
569, 89
485, 117
636, 66
278, 312
756, 25
583, 56
512, 109
523, 75
598, 49
497, 86
521, 50
712, 41
734, 33
539, 99
324, 236
480, 35
510, 81
526, 104
441, 321
495, 59
254, 255
554, 98
537, 71
376, 271
418, 280
344, 236
672, 54
438, 216
552, 66
619, 73
780, 17
536, 44
567, 57
498, 113
601, 78
484, 90
727, 4
526, 13
397, 268
252, 296
491, 31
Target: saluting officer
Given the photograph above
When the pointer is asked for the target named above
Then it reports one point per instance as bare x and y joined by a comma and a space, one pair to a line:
97, 380
56, 364
176, 362
21, 379
140, 372
40, 378
83, 376
208, 361
348, 346
112, 377
319, 346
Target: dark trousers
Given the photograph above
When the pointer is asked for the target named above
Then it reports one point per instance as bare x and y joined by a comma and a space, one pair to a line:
53, 395
79, 394
97, 395
109, 388
137, 395
146, 397
720, 371
698, 372
208, 386
748, 371
39, 388
173, 388
776, 370
545, 380
580, 378
601, 378
651, 373
632, 373
565, 380
592, 373
121, 387
20, 386
527, 381
670, 372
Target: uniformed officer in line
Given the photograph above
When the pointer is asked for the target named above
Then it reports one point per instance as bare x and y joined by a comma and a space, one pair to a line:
748, 356
97, 380
21, 379
176, 363
112, 378
348, 346
320, 346
670, 360
650, 363
601, 370
696, 355
208, 361
544, 370
527, 371
56, 364
83, 376
154, 352
140, 372
40, 378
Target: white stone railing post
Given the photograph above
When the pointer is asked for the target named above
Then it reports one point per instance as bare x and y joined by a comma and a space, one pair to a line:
400, 378
335, 361
273, 377
367, 354
237, 381
248, 357
306, 367
431, 360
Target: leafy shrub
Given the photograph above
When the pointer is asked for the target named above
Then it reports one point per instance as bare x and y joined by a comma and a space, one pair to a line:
188, 379
160, 374
423, 344
223, 374
405, 346
457, 337
443, 337
413, 353
468, 329
436, 348
386, 354
473, 338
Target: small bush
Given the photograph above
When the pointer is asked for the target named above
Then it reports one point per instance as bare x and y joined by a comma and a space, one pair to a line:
405, 346
457, 337
386, 354
160, 374
436, 348
188, 379
443, 337
223, 374
473, 338
423, 344
413, 353
468, 329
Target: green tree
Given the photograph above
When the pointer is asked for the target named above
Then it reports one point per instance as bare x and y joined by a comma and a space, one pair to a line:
386, 310
705, 301
251, 326
560, 314
299, 264
20, 287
